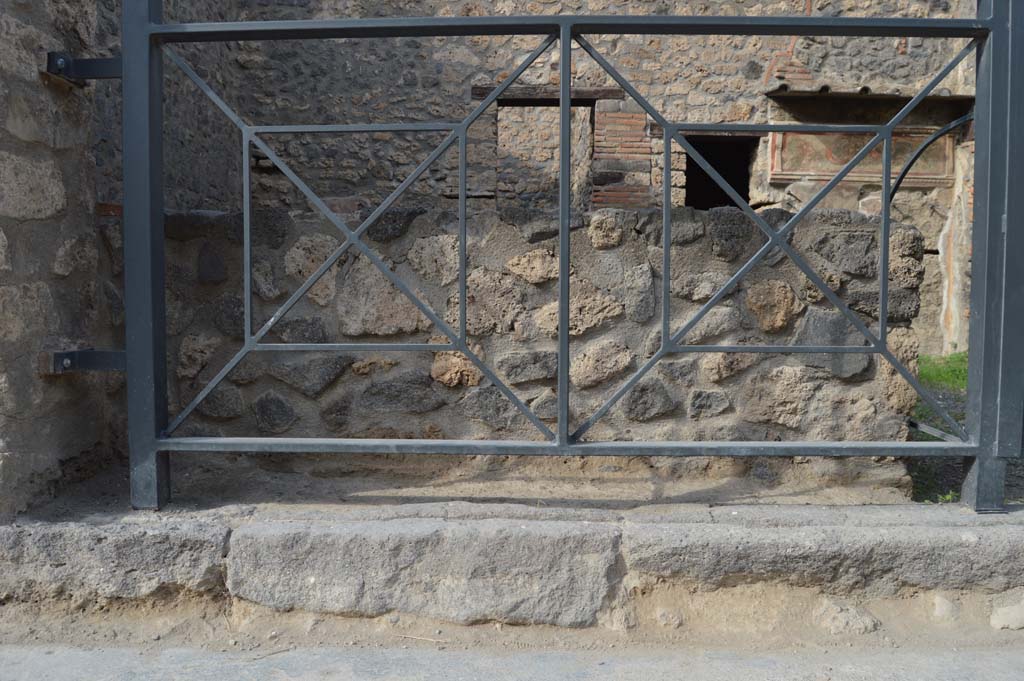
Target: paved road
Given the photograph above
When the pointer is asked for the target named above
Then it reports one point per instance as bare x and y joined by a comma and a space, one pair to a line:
351, 664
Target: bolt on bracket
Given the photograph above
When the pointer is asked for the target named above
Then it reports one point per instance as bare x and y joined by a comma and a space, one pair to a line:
77, 70
59, 362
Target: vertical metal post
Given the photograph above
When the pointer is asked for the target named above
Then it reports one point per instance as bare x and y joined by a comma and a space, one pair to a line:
564, 226
144, 252
994, 390
883, 246
463, 236
247, 232
666, 243
1010, 441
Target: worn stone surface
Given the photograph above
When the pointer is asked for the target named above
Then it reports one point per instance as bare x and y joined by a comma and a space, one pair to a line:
608, 225
598, 362
774, 304
489, 405
373, 306
540, 573
394, 223
705, 403
839, 618
698, 287
824, 327
5, 253
528, 365
495, 301
436, 258
337, 413
1008, 612
719, 321
536, 266
545, 405
648, 400
223, 403
688, 225
28, 310
866, 560
229, 315
301, 330
307, 255
781, 396
274, 415
411, 392
638, 295
311, 377
453, 368
467, 563
78, 254
732, 233
264, 280
32, 188
900, 395
124, 560
852, 252
718, 367
193, 354
588, 309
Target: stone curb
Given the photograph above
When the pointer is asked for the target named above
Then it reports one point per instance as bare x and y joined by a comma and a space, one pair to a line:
44, 561
521, 571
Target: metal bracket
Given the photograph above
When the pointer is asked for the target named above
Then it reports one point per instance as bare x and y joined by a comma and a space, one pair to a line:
57, 363
76, 70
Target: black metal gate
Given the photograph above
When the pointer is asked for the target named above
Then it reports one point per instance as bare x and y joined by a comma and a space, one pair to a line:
994, 424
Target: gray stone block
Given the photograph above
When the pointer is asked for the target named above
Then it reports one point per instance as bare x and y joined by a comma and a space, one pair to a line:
274, 415
554, 573
530, 365
411, 392
123, 560
866, 560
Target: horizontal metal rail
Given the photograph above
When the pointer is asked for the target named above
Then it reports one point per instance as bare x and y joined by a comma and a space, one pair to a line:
423, 27
533, 448
777, 127
433, 126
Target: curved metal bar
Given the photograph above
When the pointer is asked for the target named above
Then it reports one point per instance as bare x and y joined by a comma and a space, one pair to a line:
919, 152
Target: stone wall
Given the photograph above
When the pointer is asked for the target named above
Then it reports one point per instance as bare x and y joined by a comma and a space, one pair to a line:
53, 290
614, 326
60, 259
697, 79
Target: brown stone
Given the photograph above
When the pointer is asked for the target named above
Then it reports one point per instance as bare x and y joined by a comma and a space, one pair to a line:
495, 301
536, 267
718, 366
436, 258
306, 256
453, 368
608, 225
899, 394
588, 308
193, 354
373, 306
780, 396
774, 304
598, 362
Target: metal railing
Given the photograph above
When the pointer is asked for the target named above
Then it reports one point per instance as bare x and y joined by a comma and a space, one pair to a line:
994, 423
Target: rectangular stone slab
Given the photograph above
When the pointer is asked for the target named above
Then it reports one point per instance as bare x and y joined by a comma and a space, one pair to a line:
489, 570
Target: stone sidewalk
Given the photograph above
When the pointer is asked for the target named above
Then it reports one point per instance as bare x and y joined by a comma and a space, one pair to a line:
122, 664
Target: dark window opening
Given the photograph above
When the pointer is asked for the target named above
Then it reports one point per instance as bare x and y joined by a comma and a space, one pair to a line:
731, 157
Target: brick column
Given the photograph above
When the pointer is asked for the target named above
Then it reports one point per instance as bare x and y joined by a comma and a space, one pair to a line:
622, 156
